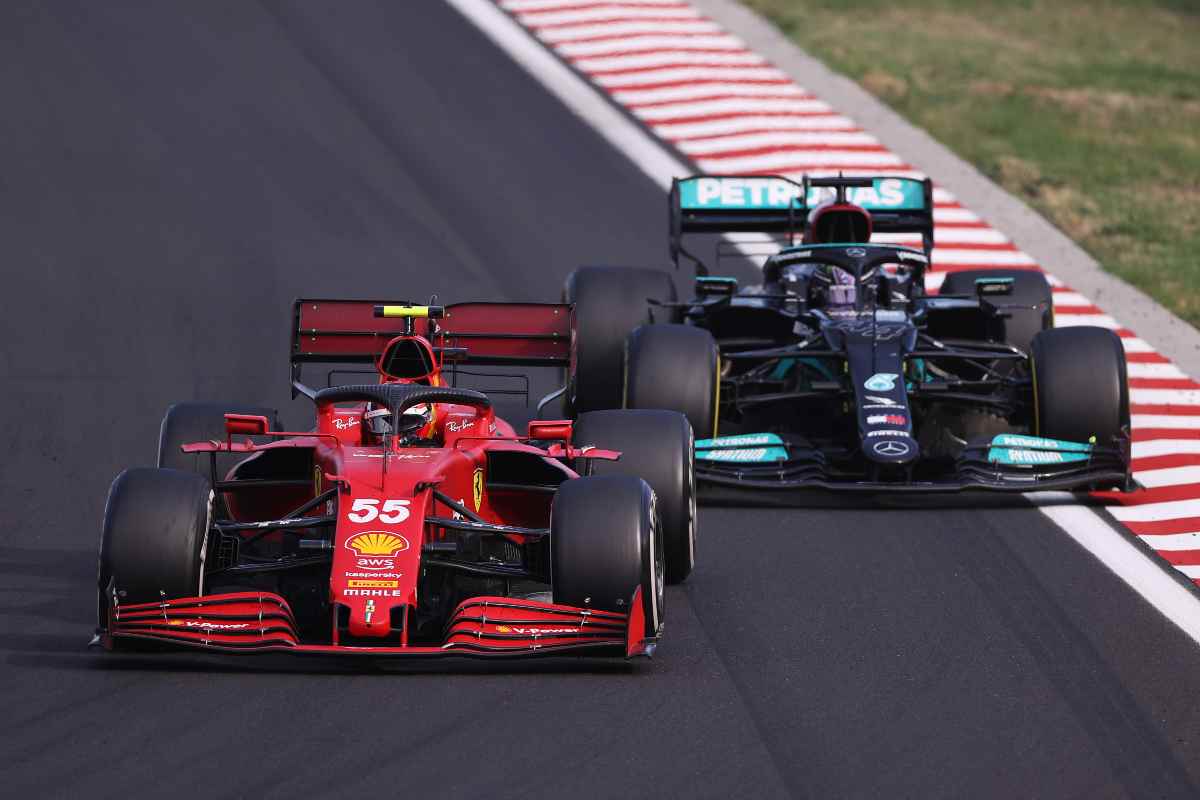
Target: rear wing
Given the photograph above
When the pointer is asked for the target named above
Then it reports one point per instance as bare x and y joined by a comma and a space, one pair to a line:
777, 205
508, 334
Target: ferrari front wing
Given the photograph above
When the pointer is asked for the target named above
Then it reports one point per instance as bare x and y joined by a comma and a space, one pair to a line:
260, 622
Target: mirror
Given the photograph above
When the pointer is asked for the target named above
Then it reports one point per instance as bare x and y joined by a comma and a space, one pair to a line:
246, 425
550, 430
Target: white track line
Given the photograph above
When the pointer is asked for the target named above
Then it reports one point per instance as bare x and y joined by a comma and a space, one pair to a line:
1173, 541
1167, 476
753, 141
602, 14
752, 75
1168, 370
648, 43
1165, 421
1117, 552
705, 90
720, 127
650, 60
613, 30
1166, 447
1143, 574
526, 6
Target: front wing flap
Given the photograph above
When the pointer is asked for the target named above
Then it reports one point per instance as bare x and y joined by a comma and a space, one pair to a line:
980, 467
258, 622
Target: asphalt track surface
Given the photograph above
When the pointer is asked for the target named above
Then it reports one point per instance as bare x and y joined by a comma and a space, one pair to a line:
173, 177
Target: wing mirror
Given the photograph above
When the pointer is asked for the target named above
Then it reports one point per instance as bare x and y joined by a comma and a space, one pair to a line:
986, 287
246, 425
550, 430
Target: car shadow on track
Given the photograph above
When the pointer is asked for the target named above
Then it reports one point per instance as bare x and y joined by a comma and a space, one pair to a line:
89, 659
43, 592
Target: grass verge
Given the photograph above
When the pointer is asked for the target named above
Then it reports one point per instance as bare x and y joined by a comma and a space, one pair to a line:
1089, 111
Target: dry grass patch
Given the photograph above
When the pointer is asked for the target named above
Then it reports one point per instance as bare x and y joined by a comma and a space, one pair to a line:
884, 84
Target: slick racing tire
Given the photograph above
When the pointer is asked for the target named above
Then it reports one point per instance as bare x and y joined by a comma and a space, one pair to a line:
155, 531
609, 303
1080, 389
196, 422
676, 367
658, 447
1029, 288
604, 544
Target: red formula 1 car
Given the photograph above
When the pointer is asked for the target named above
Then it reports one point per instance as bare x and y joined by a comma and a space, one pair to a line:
410, 520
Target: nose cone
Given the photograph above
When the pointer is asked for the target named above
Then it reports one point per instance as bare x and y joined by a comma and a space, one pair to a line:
894, 450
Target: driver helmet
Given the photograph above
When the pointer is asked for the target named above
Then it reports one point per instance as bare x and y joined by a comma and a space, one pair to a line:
827, 286
412, 421
843, 290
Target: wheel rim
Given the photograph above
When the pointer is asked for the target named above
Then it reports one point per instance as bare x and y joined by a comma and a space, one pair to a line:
690, 488
657, 566
204, 541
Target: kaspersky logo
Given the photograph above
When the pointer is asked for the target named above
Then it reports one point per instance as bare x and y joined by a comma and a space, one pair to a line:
376, 550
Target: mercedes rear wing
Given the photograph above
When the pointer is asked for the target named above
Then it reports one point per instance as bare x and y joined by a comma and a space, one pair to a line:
773, 204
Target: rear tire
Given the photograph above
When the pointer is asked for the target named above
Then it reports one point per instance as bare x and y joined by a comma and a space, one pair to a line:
609, 303
605, 543
1029, 288
658, 447
197, 422
1080, 388
155, 531
676, 367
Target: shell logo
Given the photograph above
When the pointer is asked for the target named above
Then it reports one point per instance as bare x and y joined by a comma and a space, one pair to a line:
377, 543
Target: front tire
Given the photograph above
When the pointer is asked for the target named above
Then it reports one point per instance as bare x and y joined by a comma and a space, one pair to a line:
604, 544
1080, 387
657, 446
155, 532
609, 303
676, 367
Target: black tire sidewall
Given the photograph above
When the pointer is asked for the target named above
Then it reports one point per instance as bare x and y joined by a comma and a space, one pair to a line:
1080, 385
675, 367
604, 544
155, 531
609, 302
657, 446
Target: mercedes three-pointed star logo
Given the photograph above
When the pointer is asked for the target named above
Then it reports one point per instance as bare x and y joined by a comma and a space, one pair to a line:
891, 448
